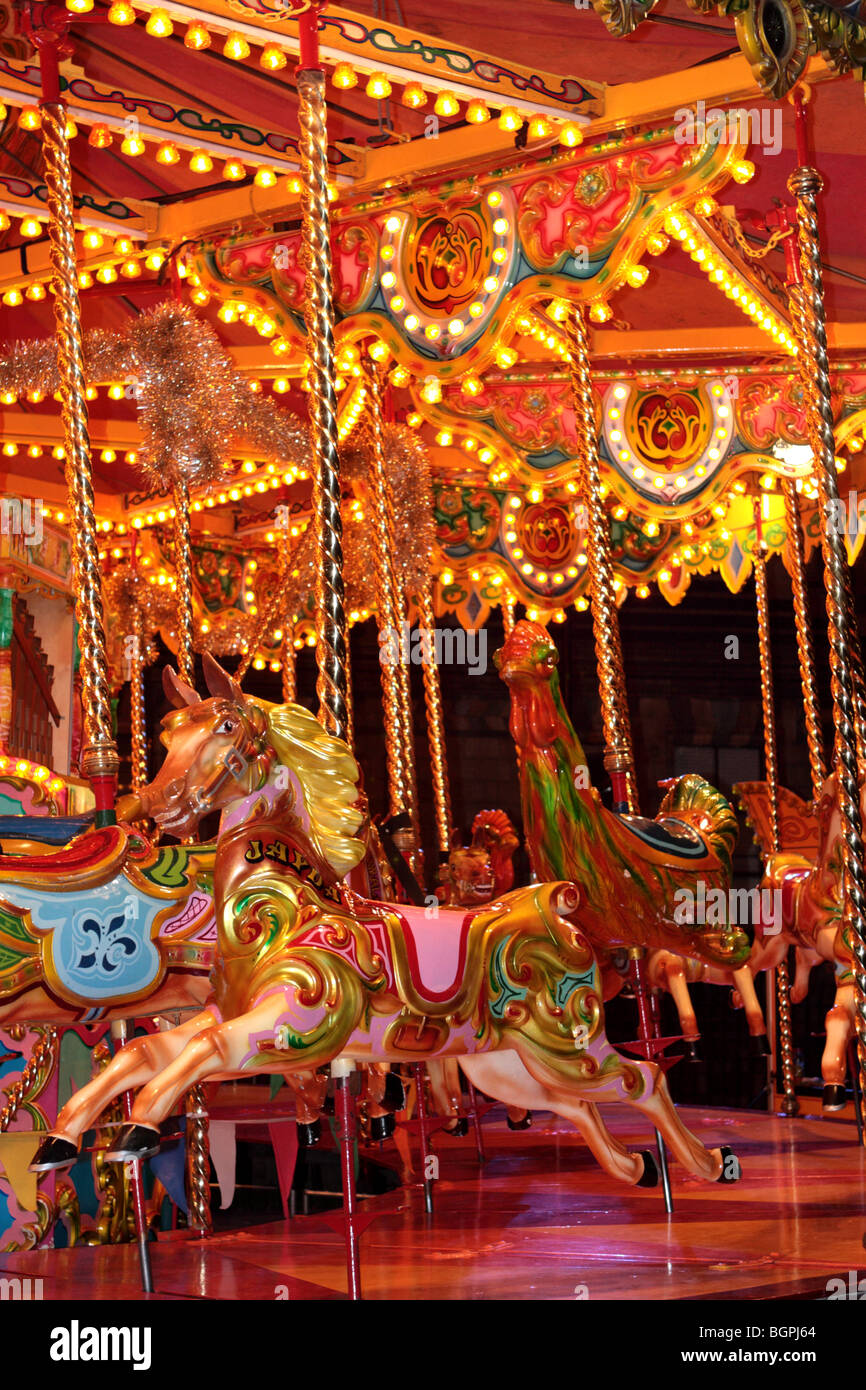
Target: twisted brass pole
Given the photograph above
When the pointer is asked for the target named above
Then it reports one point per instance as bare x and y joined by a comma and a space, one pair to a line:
509, 615
619, 758
805, 183
137, 711
784, 1044
390, 631
183, 573
435, 719
289, 677
319, 319
37, 1070
805, 651
99, 761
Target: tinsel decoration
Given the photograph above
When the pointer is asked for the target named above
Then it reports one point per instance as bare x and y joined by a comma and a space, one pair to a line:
194, 407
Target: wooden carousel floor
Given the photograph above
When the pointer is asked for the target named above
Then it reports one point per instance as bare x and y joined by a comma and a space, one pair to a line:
540, 1221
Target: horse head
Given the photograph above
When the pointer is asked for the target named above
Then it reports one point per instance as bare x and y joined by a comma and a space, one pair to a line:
216, 750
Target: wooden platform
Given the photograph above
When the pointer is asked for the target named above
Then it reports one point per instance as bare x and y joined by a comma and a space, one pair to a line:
540, 1221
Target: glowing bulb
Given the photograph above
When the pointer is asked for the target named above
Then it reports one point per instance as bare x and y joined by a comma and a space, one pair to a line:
30, 118
477, 113
121, 13
539, 128
133, 144
345, 76
36, 291
446, 104
265, 178
99, 137
510, 119
414, 96
743, 171
31, 226
571, 135
272, 58
233, 169
637, 276
159, 25
378, 87
600, 313
167, 153
236, 47
200, 162
92, 240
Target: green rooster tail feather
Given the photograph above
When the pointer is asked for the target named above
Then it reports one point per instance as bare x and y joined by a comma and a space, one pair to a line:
694, 793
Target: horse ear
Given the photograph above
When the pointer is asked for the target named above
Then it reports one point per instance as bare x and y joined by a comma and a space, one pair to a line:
177, 691
219, 682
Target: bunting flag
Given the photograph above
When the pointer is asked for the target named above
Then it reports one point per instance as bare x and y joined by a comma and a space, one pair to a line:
16, 1152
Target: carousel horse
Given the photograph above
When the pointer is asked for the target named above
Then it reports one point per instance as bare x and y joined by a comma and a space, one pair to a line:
810, 884
308, 971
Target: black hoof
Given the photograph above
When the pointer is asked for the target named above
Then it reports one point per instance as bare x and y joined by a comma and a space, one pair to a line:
395, 1097
834, 1097
459, 1128
53, 1153
759, 1045
692, 1053
732, 1169
525, 1121
309, 1135
381, 1127
650, 1177
133, 1141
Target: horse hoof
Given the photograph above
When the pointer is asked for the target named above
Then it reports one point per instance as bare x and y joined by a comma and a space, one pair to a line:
834, 1097
459, 1128
692, 1053
525, 1122
309, 1135
650, 1177
381, 1127
133, 1141
395, 1097
732, 1169
54, 1153
759, 1045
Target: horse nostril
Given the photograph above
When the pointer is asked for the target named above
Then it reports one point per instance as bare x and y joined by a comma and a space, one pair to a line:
172, 790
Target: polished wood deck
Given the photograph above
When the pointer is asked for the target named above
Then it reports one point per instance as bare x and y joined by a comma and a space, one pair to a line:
540, 1221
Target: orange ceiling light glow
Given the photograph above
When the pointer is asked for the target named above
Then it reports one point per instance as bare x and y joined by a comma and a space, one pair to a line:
233, 169
99, 137
378, 87
414, 96
236, 47
200, 162
29, 118
345, 76
120, 13
167, 153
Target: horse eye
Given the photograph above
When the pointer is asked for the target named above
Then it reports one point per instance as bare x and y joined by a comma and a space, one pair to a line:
226, 727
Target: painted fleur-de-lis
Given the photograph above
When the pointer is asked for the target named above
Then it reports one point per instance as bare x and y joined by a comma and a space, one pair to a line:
106, 945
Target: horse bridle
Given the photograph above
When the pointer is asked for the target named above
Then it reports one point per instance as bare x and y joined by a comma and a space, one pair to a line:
250, 746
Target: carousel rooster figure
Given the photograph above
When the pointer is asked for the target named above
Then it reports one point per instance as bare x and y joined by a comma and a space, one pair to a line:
630, 871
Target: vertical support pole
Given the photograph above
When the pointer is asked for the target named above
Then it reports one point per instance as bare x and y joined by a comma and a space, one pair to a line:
784, 1045
805, 184
119, 1033
183, 572
347, 1123
805, 650
618, 758
435, 720
319, 320
418, 1071
646, 1032
99, 760
476, 1121
137, 712
289, 680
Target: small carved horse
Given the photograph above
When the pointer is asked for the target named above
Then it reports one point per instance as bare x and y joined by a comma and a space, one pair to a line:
309, 971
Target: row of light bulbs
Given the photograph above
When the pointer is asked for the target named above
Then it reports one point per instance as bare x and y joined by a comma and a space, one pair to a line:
272, 58
135, 259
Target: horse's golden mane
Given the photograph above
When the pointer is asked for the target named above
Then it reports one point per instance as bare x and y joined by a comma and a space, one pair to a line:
328, 775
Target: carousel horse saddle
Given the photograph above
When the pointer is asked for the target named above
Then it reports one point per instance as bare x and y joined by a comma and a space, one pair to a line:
50, 830
667, 834
435, 948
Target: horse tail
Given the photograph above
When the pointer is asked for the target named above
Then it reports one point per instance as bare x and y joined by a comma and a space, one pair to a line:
692, 798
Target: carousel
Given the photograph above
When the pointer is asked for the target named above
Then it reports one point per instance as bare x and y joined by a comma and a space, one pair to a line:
399, 406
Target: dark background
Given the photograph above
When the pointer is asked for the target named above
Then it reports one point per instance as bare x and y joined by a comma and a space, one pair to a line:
692, 709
